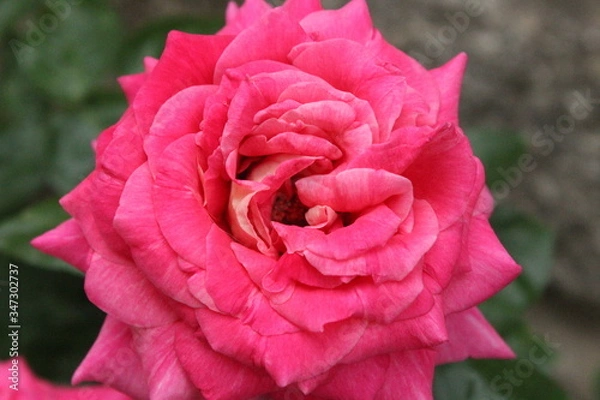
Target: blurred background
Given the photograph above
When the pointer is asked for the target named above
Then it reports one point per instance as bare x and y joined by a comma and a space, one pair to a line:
531, 105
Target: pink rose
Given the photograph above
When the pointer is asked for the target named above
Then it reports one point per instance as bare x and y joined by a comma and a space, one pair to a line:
287, 208
22, 384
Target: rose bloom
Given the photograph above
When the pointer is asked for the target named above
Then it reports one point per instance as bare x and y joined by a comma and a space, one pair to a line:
287, 209
22, 384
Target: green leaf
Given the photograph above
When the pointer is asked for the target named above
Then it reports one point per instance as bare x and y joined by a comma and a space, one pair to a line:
531, 245
151, 39
24, 144
10, 11
74, 132
519, 379
523, 378
460, 381
58, 323
17, 232
70, 51
500, 152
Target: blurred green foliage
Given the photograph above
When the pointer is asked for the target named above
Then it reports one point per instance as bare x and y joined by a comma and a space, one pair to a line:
58, 90
59, 61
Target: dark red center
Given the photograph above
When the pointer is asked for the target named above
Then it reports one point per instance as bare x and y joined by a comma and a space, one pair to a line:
288, 210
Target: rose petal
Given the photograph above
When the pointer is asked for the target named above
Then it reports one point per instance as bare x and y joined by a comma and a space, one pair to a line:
361, 299
444, 174
289, 143
386, 256
355, 189
301, 8
190, 58
449, 79
178, 201
408, 374
397, 154
217, 376
349, 22
83, 204
109, 286
179, 115
491, 269
372, 229
256, 42
113, 361
165, 375
346, 66
239, 18
288, 357
423, 331
417, 77
483, 341
136, 223
66, 242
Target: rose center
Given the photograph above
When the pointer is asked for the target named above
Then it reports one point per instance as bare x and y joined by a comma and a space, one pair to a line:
288, 210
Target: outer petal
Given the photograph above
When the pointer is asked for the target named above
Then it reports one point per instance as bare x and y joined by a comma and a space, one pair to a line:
401, 375
301, 8
417, 77
426, 330
349, 22
131, 84
217, 376
178, 201
449, 79
491, 269
93, 203
112, 287
483, 341
66, 242
84, 204
136, 222
288, 358
444, 174
164, 373
190, 58
239, 18
256, 42
361, 299
33, 388
113, 361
